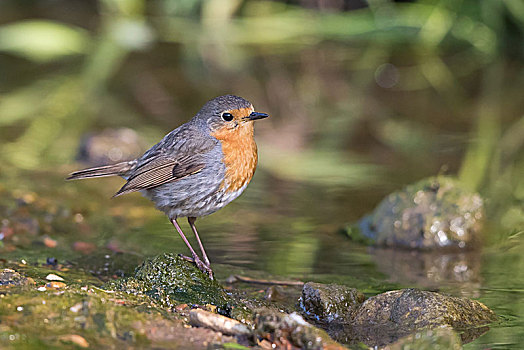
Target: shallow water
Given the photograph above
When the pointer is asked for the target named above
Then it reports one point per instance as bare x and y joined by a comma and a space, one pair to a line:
292, 235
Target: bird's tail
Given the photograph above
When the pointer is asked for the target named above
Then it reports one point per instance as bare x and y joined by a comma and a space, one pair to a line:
101, 171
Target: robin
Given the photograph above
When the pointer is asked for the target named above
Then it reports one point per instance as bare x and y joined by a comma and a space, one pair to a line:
197, 168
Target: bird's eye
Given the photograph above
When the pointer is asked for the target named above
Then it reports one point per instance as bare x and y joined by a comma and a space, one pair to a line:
227, 117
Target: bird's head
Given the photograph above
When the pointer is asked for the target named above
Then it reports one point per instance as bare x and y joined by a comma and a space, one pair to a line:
229, 115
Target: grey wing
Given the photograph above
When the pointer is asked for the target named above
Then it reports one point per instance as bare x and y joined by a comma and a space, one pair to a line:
171, 159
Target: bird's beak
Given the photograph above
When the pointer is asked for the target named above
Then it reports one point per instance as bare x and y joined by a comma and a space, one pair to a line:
256, 116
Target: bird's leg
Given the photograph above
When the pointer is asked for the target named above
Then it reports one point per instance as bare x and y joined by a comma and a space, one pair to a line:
191, 221
202, 266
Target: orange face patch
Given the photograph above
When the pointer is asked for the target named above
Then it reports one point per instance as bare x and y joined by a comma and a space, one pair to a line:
240, 153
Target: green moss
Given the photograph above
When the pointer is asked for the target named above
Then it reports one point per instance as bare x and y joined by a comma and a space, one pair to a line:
36, 320
170, 280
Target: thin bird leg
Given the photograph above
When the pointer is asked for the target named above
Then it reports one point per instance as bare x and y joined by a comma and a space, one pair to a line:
193, 253
203, 267
191, 221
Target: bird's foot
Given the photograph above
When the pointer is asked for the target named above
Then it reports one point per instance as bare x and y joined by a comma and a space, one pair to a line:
186, 258
206, 269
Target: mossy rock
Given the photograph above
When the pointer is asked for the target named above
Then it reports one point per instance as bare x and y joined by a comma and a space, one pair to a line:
437, 212
329, 302
170, 280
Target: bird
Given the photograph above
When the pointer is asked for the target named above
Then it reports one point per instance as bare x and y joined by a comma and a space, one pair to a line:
196, 169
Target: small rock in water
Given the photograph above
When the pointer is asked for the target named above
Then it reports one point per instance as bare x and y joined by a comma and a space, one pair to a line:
437, 212
328, 303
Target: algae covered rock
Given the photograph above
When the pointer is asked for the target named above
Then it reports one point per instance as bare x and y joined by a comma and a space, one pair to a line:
171, 280
432, 213
331, 302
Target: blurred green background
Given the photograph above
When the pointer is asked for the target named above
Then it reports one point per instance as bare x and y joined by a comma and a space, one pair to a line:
364, 98
359, 96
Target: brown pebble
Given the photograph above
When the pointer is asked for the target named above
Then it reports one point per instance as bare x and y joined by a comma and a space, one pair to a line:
55, 285
75, 339
181, 307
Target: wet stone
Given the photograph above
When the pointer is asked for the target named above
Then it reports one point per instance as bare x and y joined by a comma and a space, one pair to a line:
386, 317
433, 213
328, 303
11, 278
170, 280
290, 330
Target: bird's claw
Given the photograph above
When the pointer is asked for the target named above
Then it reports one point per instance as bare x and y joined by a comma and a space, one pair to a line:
206, 269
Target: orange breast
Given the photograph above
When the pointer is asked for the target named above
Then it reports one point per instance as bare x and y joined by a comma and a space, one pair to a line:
240, 155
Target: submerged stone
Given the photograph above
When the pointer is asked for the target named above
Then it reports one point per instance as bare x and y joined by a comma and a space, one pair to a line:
170, 280
328, 303
433, 213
